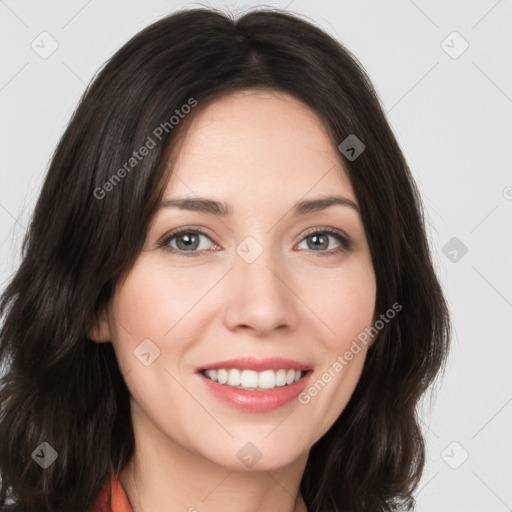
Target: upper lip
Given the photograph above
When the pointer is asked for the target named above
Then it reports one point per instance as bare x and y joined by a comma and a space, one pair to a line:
252, 363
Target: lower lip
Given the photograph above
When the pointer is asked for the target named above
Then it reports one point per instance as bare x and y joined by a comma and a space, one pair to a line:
256, 401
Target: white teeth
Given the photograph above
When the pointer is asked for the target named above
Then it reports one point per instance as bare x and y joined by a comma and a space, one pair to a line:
234, 378
267, 379
250, 379
211, 374
280, 377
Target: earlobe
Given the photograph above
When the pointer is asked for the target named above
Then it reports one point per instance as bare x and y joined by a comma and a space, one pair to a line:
100, 331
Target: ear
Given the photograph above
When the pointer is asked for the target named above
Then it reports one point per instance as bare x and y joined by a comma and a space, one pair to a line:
100, 330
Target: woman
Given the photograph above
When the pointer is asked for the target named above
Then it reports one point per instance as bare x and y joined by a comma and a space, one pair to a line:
171, 341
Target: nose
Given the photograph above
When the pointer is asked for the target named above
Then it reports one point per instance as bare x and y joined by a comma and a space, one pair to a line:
260, 295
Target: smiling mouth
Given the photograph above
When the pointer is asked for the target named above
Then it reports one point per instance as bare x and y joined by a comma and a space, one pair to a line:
252, 380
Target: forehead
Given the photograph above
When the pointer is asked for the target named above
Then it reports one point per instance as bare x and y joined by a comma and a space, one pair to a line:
258, 143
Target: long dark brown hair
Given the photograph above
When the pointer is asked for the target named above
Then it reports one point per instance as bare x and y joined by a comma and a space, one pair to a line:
61, 388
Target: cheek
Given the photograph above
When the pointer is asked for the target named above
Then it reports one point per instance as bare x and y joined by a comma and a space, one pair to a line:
348, 309
157, 300
161, 303
152, 304
348, 306
153, 299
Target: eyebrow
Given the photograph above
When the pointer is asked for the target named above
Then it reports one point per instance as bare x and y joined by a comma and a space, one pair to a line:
210, 206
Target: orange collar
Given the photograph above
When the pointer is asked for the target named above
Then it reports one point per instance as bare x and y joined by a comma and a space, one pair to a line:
112, 498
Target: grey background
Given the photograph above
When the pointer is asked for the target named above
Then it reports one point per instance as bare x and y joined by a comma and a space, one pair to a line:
452, 116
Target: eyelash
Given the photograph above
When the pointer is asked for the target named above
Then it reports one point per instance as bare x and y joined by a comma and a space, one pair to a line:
346, 244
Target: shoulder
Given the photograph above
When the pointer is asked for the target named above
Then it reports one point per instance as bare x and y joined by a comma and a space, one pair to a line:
112, 497
103, 501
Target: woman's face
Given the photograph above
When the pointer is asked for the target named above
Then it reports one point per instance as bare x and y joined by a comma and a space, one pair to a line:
265, 281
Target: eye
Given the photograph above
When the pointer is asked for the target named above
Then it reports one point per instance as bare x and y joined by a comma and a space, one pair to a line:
188, 242
320, 239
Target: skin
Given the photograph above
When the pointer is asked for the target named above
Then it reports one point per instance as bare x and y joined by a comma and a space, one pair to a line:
259, 152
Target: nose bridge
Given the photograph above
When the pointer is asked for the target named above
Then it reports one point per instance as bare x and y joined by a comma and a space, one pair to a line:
259, 296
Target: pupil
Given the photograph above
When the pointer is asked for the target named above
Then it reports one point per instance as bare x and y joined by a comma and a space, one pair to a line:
188, 240
317, 237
